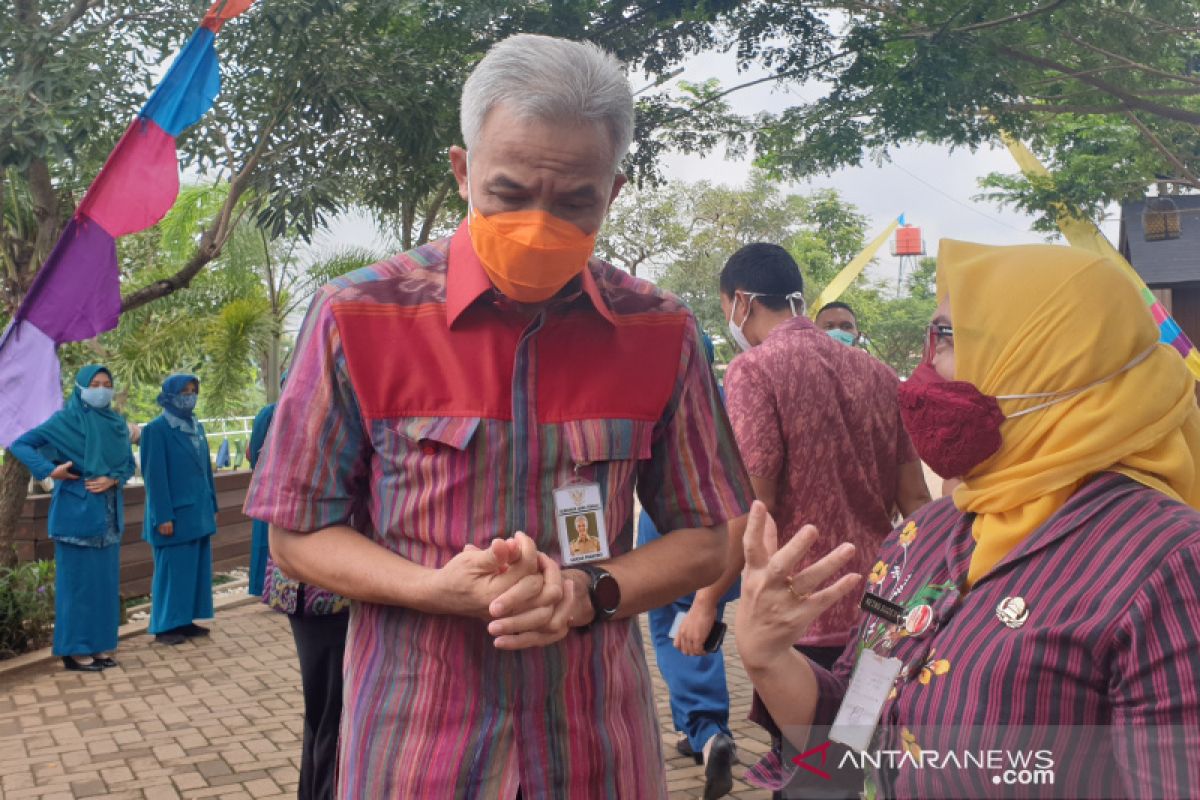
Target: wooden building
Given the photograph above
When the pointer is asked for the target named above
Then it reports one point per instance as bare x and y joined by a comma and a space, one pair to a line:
1160, 237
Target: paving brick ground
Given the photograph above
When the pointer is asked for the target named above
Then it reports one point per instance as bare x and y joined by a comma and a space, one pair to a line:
212, 718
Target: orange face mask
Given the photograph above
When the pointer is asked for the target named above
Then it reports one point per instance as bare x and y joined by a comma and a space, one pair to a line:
529, 255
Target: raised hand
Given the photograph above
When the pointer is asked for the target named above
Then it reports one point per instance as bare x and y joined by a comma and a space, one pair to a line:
779, 604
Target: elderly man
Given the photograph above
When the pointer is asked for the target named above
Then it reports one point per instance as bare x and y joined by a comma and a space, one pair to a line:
473, 396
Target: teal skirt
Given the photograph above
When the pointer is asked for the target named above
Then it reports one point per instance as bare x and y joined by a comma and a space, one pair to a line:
87, 600
182, 587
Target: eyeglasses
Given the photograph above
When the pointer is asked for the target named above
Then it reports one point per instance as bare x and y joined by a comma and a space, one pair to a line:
938, 335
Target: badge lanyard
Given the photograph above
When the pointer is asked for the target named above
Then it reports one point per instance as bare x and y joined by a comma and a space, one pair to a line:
579, 517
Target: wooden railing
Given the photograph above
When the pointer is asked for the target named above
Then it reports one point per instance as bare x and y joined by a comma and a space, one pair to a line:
231, 544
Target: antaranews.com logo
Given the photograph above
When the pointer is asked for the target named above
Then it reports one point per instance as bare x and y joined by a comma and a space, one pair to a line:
1008, 767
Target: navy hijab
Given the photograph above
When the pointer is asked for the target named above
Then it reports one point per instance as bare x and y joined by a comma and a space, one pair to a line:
172, 390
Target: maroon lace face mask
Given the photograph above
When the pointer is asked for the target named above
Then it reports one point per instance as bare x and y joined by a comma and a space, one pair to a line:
954, 426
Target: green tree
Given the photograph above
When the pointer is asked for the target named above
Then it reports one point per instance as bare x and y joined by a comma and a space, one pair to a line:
326, 104
895, 326
643, 230
718, 220
820, 229
1108, 93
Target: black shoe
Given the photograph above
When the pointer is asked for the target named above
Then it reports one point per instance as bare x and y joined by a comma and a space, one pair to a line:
74, 666
683, 746
105, 661
170, 637
718, 767
192, 629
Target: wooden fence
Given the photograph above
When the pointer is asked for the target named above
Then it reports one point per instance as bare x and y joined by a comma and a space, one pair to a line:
231, 544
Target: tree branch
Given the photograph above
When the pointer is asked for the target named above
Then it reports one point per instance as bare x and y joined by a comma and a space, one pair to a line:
73, 15
213, 239
45, 212
995, 23
1171, 158
1063, 109
1129, 62
434, 208
748, 84
1131, 100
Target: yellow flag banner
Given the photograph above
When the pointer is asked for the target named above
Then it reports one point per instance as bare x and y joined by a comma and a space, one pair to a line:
851, 271
1084, 234
1078, 232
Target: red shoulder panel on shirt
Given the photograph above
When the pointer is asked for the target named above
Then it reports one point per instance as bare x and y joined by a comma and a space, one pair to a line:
590, 369
405, 362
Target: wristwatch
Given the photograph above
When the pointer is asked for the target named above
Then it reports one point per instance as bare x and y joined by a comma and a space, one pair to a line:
603, 591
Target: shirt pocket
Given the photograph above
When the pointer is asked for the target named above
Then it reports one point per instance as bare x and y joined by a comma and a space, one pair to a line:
428, 433
608, 452
431, 496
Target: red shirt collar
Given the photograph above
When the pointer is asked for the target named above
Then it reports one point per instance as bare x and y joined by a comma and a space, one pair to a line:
466, 281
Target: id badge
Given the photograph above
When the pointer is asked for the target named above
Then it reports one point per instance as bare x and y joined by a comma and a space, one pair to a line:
579, 514
872, 681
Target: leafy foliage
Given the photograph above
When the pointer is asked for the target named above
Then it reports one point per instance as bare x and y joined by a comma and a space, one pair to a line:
26, 607
1109, 93
683, 234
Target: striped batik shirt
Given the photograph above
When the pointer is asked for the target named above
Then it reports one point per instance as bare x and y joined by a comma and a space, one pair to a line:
1071, 670
453, 415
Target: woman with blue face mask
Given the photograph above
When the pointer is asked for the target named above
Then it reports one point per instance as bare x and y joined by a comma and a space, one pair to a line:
181, 513
85, 448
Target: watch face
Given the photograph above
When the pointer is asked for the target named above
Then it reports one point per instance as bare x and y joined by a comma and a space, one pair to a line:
606, 592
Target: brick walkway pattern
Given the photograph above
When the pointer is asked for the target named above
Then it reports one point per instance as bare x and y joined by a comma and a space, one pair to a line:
217, 718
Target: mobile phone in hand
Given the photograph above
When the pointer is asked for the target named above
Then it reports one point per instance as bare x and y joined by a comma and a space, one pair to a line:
715, 636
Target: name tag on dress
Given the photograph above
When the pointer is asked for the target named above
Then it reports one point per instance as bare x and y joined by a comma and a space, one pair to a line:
579, 514
886, 610
870, 685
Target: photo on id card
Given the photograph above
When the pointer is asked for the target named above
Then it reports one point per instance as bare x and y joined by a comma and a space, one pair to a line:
579, 514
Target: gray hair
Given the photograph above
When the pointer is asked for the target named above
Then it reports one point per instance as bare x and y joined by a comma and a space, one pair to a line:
550, 79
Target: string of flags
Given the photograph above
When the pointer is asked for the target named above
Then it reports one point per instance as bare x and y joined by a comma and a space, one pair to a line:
77, 295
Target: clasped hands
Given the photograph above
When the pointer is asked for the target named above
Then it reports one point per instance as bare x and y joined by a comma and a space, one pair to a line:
526, 598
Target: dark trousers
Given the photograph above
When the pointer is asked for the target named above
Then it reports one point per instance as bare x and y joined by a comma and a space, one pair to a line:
321, 644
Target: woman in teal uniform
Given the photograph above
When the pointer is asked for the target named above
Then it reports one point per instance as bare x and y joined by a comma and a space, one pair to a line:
259, 547
181, 508
85, 448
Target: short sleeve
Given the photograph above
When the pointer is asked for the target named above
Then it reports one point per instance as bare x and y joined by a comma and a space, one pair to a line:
694, 477
755, 417
315, 459
1155, 683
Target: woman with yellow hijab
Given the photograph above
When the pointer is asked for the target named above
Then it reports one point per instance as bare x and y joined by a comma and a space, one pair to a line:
1035, 634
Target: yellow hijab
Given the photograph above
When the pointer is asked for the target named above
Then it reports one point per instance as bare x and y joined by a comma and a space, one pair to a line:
1045, 318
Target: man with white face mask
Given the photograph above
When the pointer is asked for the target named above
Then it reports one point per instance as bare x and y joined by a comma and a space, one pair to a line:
464, 404
818, 426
